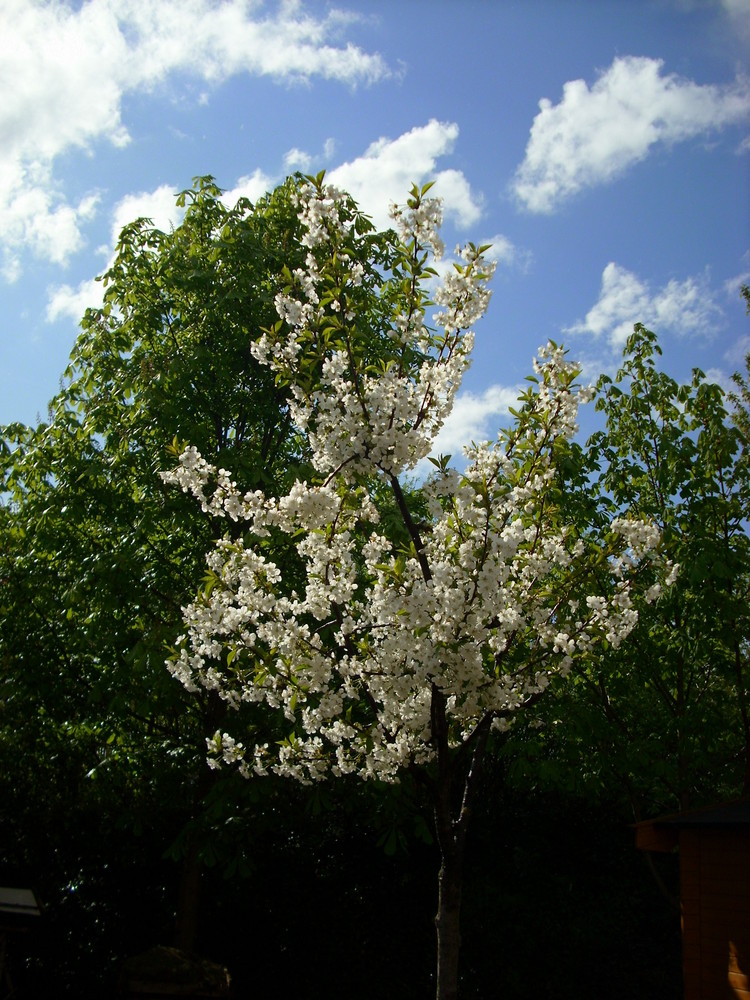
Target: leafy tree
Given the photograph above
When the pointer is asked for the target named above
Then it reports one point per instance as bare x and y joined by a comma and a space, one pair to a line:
97, 556
665, 717
423, 623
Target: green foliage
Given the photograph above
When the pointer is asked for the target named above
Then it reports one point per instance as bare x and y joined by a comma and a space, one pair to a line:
102, 755
664, 717
97, 556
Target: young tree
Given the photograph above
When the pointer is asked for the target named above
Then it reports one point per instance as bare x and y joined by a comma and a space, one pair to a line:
411, 623
97, 557
666, 717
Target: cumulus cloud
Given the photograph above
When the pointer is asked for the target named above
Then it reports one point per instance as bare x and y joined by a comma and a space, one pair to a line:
306, 163
681, 307
385, 172
220, 40
65, 301
387, 169
372, 190
501, 250
31, 216
506, 253
736, 354
719, 377
596, 133
738, 12
65, 70
71, 303
158, 206
251, 186
297, 159
474, 417
733, 285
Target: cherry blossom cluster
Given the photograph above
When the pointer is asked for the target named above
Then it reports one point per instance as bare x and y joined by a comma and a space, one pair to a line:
462, 614
363, 417
420, 222
354, 661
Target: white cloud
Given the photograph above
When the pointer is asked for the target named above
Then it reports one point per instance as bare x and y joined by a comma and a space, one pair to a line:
158, 206
594, 134
297, 159
375, 179
737, 353
739, 15
720, 377
682, 307
732, 285
506, 253
474, 418
65, 301
384, 173
459, 202
33, 217
251, 186
219, 40
65, 70
501, 249
388, 168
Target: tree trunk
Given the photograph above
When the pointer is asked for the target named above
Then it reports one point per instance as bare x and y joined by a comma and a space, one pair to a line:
447, 920
188, 900
451, 837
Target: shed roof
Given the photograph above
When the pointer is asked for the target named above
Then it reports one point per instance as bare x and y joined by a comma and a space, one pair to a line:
22, 902
735, 813
662, 833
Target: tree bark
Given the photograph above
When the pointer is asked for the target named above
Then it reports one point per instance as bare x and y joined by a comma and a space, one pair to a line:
451, 837
447, 921
188, 900
187, 913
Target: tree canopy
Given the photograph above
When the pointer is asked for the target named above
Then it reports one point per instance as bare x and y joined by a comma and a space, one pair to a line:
98, 557
665, 717
399, 649
461, 639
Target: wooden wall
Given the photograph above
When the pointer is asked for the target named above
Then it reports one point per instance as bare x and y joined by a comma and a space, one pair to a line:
715, 890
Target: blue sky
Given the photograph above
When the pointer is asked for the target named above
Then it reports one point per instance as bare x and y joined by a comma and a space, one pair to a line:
603, 147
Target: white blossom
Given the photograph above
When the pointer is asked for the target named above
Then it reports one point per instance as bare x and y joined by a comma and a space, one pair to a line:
480, 608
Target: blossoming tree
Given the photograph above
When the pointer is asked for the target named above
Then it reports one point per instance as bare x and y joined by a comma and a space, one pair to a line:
397, 644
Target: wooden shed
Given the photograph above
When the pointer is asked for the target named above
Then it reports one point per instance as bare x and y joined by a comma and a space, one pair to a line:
714, 846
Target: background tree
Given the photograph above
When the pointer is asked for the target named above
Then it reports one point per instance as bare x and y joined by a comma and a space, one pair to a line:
665, 717
403, 645
102, 755
97, 557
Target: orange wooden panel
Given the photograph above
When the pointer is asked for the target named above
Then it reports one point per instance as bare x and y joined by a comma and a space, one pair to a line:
691, 968
723, 854
729, 881
734, 961
691, 910
653, 838
718, 865
715, 954
739, 963
723, 923
738, 981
